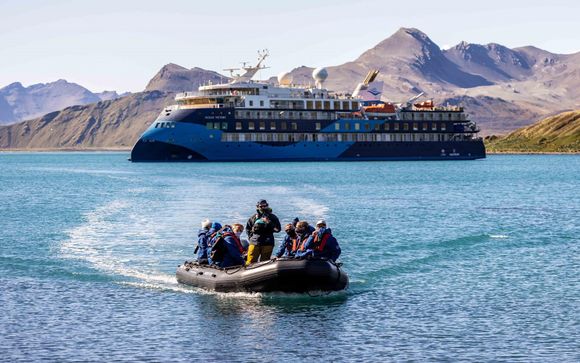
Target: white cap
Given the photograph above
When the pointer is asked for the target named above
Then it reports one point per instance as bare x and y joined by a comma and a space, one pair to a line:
206, 224
322, 221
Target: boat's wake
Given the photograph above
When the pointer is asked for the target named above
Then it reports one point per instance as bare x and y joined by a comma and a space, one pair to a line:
121, 241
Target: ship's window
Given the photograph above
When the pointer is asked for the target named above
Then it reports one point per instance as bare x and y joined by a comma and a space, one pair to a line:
157, 125
347, 126
267, 137
251, 103
318, 105
294, 126
224, 125
345, 105
367, 126
377, 126
434, 126
415, 126
443, 126
336, 105
425, 126
173, 124
209, 125
258, 137
238, 126
216, 125
251, 125
354, 105
337, 126
327, 105
309, 105
262, 125
283, 125
396, 126
360, 137
357, 126
387, 126
317, 125
406, 126
272, 125
261, 103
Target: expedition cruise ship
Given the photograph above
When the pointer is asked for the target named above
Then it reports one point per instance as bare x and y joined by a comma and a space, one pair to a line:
245, 120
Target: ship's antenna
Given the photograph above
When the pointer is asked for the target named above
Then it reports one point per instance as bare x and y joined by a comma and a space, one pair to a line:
250, 70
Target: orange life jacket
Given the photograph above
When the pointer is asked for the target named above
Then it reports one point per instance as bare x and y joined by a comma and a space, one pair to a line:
295, 244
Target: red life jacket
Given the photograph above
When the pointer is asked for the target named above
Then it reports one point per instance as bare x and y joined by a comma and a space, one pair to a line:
319, 244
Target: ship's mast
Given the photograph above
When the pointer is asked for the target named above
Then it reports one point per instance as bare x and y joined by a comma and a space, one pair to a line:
249, 70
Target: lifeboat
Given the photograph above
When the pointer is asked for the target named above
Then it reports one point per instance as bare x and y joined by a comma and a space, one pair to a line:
425, 105
277, 275
381, 108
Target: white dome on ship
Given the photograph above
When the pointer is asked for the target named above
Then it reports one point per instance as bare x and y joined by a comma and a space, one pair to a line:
285, 79
320, 74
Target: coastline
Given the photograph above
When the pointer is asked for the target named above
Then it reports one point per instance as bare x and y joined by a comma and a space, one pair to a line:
112, 149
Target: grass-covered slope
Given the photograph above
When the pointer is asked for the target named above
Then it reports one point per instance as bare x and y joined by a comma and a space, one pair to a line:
560, 133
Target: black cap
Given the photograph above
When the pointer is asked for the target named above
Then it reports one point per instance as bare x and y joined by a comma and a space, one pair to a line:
261, 202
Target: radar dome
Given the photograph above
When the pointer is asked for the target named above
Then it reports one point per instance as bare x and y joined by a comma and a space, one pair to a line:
320, 74
284, 79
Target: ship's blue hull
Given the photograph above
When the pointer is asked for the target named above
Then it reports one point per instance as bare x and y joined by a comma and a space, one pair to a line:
188, 139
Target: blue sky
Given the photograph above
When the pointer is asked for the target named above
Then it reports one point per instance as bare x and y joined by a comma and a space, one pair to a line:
120, 45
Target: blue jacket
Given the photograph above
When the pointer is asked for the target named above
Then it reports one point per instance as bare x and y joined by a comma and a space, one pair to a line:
202, 239
210, 241
285, 248
232, 255
331, 249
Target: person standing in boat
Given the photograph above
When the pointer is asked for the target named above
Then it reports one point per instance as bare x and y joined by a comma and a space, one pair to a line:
262, 235
203, 236
321, 244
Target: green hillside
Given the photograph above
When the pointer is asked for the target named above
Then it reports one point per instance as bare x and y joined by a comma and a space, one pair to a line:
560, 133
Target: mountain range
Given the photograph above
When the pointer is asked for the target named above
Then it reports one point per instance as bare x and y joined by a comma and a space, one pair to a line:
501, 88
19, 103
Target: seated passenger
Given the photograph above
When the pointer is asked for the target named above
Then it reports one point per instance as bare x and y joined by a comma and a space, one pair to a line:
213, 231
303, 231
238, 229
321, 244
289, 245
203, 236
227, 249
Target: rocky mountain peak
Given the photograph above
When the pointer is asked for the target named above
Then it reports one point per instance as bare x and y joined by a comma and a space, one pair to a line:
175, 78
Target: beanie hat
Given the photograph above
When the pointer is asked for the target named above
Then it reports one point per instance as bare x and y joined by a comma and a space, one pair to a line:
206, 224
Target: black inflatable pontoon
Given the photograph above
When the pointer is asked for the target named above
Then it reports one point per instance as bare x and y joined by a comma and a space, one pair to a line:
285, 275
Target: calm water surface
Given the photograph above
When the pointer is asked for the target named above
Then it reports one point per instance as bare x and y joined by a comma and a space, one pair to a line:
464, 260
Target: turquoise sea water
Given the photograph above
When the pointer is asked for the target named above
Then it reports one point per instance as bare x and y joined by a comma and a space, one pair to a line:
463, 260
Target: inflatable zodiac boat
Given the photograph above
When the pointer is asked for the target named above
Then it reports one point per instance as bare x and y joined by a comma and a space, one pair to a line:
284, 275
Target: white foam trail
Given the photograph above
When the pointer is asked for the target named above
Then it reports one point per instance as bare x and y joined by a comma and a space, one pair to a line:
498, 236
309, 207
109, 245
